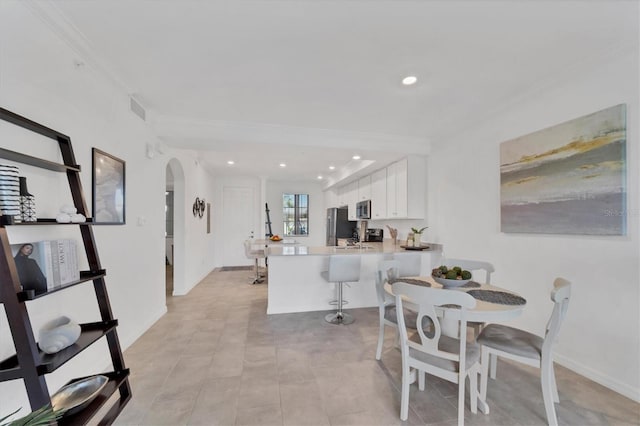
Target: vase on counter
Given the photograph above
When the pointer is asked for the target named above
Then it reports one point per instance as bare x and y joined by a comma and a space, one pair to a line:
27, 202
416, 240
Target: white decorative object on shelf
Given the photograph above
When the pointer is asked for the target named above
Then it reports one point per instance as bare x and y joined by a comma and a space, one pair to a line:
63, 218
27, 203
58, 334
69, 214
10, 191
78, 218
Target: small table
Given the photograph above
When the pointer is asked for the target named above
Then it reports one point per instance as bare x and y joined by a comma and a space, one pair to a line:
493, 304
488, 309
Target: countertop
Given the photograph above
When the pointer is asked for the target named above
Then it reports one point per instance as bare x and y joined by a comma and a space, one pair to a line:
364, 248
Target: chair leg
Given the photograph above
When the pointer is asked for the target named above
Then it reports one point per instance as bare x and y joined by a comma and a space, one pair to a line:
404, 399
257, 280
380, 337
546, 379
484, 375
339, 317
494, 366
421, 379
461, 382
473, 389
554, 385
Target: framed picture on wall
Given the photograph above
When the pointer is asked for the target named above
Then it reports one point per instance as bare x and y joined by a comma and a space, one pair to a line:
108, 184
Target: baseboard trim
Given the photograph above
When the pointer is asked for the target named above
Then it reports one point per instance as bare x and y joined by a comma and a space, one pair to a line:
606, 381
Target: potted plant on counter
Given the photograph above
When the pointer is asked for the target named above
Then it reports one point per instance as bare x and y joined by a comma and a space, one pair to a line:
417, 235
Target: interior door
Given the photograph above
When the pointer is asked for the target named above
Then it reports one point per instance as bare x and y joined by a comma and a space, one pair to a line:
239, 218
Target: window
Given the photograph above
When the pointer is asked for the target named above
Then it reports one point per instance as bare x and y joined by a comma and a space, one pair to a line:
295, 214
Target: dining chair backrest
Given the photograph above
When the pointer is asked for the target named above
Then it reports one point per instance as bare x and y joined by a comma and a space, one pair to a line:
409, 264
427, 299
472, 265
387, 269
560, 295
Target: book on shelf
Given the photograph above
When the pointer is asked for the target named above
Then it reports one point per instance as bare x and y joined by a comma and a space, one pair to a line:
46, 265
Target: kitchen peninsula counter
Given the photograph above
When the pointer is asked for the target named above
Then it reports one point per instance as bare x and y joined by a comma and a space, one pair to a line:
363, 249
295, 283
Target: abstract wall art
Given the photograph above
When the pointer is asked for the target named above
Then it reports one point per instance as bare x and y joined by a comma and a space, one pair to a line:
568, 178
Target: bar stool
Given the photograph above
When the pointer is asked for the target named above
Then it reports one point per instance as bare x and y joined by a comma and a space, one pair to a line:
254, 255
342, 268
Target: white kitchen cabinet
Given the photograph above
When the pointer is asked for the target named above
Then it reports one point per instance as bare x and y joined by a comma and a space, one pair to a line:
379, 195
406, 188
364, 188
351, 197
341, 195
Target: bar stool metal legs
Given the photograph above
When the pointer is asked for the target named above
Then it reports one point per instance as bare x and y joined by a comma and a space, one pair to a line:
339, 317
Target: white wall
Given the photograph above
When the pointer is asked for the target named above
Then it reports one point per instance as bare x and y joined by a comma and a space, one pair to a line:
39, 79
317, 210
601, 335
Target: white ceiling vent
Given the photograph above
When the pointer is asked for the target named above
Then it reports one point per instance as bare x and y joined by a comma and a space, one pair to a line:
137, 109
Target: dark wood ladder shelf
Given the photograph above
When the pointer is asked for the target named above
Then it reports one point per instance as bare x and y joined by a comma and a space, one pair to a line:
84, 277
90, 332
10, 221
29, 363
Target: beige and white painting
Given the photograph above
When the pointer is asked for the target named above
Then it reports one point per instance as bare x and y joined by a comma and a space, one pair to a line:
567, 179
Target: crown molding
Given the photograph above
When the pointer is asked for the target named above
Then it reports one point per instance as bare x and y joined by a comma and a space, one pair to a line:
198, 134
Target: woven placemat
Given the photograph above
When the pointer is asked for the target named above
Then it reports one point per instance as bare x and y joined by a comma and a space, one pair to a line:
498, 297
471, 284
410, 281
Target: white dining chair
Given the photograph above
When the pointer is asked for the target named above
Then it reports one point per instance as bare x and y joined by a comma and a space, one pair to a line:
434, 353
254, 255
530, 349
409, 264
474, 266
388, 271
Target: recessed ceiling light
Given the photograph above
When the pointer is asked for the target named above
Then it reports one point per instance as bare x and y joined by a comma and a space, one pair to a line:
356, 157
332, 167
409, 80
319, 177
231, 162
283, 165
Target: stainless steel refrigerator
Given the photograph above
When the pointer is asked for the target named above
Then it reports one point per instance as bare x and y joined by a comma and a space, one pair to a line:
339, 225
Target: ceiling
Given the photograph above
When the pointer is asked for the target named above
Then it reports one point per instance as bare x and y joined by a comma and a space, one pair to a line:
312, 82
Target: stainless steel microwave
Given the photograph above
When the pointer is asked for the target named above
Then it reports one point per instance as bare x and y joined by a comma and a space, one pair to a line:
363, 209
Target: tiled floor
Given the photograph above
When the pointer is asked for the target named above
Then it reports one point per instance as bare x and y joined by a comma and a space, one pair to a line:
216, 358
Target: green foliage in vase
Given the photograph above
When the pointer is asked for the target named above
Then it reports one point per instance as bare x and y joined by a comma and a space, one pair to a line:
42, 416
418, 231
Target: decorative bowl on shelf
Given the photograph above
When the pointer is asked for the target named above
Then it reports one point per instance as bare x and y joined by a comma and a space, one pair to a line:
450, 283
77, 395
